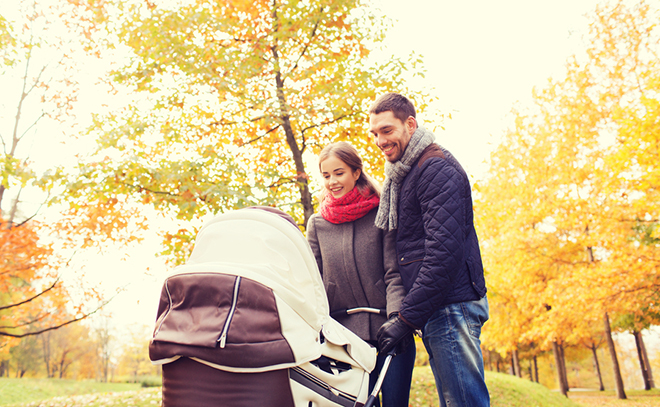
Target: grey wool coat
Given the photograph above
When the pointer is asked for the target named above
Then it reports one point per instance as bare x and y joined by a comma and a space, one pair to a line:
359, 267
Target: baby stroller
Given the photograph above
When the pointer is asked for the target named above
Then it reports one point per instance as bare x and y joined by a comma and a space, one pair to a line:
245, 322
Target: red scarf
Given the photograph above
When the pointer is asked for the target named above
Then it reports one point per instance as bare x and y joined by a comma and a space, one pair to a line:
349, 207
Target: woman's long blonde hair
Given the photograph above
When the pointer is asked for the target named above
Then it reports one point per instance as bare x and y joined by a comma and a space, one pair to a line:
349, 155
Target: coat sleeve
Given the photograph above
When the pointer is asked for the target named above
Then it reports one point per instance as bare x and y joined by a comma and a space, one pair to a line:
313, 241
394, 286
440, 200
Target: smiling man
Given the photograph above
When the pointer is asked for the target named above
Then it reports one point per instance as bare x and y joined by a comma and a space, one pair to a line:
427, 199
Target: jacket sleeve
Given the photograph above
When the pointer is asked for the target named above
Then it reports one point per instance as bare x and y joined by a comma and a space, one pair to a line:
438, 190
313, 241
394, 286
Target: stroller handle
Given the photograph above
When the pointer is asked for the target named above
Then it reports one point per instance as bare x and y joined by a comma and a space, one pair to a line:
379, 383
351, 311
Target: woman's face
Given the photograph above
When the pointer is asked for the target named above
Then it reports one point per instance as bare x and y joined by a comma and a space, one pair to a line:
338, 177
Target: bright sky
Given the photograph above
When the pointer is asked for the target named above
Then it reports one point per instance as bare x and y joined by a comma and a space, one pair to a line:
482, 57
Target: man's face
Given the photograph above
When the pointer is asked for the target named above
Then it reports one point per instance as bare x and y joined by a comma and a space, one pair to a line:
391, 134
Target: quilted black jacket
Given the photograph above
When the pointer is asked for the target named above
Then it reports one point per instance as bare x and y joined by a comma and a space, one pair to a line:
437, 245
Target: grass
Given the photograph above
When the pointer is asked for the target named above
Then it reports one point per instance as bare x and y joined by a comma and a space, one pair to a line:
505, 390
636, 398
14, 391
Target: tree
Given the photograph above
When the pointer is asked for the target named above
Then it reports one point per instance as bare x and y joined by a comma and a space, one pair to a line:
38, 93
26, 356
635, 324
228, 101
593, 342
568, 212
104, 349
134, 361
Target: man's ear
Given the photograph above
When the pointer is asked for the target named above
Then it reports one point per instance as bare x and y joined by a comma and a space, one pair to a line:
411, 125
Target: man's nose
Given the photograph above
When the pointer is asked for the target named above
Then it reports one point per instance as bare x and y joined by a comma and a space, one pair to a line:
379, 140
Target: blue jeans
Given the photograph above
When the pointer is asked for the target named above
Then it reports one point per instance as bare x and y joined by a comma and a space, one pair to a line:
451, 338
395, 391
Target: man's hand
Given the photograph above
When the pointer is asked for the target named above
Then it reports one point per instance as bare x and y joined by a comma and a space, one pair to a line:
392, 332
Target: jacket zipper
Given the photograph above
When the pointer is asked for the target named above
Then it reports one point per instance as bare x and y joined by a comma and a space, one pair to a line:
223, 336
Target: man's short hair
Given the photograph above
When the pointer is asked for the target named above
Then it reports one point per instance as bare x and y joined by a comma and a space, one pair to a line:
399, 105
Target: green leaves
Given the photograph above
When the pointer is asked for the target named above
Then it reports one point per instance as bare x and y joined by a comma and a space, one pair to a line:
228, 103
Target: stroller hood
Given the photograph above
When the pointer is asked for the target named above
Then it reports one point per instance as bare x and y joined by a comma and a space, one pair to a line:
250, 298
269, 250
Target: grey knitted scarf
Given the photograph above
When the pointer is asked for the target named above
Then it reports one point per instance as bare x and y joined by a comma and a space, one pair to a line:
386, 218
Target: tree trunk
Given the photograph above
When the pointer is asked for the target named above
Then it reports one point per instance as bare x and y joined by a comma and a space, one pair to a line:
563, 367
2, 194
560, 371
643, 360
646, 361
618, 380
45, 343
600, 375
536, 370
301, 176
516, 363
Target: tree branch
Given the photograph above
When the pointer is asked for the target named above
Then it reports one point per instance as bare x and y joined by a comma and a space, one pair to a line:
262, 136
311, 37
31, 298
49, 328
23, 335
336, 119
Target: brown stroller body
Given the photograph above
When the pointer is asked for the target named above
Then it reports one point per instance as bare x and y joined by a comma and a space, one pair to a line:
245, 322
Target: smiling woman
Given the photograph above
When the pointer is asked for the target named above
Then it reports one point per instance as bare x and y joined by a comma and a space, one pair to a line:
338, 177
357, 260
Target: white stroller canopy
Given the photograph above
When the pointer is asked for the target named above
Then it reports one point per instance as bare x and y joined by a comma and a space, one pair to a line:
264, 247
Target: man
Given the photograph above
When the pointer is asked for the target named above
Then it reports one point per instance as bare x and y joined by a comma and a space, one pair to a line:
427, 198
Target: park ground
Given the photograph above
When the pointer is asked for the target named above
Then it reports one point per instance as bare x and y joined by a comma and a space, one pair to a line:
506, 391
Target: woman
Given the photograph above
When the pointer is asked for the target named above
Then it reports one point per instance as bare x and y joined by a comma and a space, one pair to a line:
358, 260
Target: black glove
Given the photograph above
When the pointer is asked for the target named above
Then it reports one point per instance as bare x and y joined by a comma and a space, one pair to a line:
392, 332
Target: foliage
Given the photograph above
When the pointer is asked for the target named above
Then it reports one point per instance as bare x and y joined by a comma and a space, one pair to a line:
568, 210
69, 352
134, 362
151, 381
32, 298
227, 101
39, 71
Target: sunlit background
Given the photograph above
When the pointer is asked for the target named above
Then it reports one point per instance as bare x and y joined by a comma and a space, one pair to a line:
482, 58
